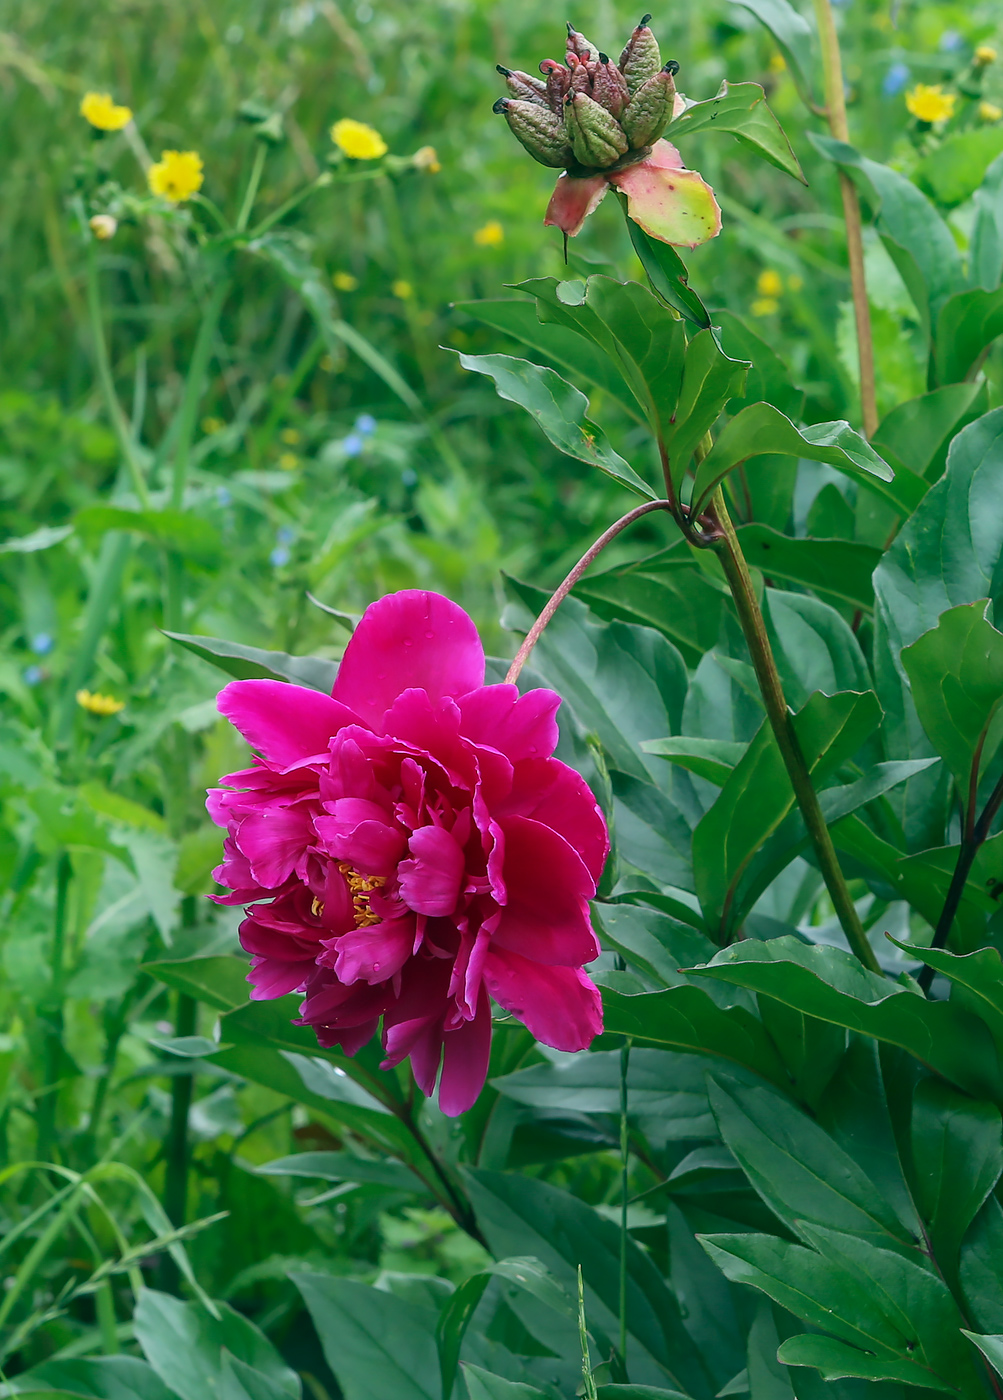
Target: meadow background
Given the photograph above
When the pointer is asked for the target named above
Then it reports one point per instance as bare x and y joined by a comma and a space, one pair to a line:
314, 472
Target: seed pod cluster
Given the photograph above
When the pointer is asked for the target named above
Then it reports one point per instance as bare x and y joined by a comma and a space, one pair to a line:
589, 113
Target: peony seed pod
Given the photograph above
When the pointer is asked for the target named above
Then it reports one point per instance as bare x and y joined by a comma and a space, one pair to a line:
640, 59
558, 82
541, 131
597, 138
580, 80
578, 44
524, 87
609, 88
650, 109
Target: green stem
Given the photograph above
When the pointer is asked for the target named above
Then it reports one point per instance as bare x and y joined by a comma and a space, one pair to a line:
104, 1302
624, 1196
51, 1010
176, 1177
118, 419
193, 390
835, 101
588, 1379
251, 193
104, 591
754, 627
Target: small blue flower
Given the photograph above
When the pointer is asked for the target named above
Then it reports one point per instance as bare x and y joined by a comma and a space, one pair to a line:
950, 40
223, 497
365, 424
409, 477
286, 534
279, 556
896, 80
33, 674
42, 644
352, 445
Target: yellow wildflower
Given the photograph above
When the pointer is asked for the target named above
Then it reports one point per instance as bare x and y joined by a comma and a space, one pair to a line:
989, 112
765, 306
984, 55
98, 704
177, 175
345, 282
768, 283
403, 290
290, 436
426, 158
491, 235
358, 140
326, 363
102, 112
930, 103
777, 63
212, 425
289, 461
103, 226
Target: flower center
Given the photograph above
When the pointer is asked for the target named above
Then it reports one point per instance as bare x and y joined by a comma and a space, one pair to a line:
361, 888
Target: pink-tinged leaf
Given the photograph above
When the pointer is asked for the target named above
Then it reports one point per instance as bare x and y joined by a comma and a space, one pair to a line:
573, 201
674, 205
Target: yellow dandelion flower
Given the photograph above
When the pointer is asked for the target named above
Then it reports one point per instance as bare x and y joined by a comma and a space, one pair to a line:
989, 112
103, 112
98, 704
102, 226
777, 63
345, 282
427, 159
402, 290
289, 461
290, 436
491, 235
358, 140
765, 306
984, 55
176, 176
930, 103
768, 283
212, 425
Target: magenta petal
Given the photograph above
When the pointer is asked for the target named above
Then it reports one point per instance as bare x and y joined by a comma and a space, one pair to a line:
573, 201
271, 978
286, 723
560, 1005
408, 640
357, 830
547, 914
466, 1052
374, 953
552, 793
519, 726
430, 881
275, 843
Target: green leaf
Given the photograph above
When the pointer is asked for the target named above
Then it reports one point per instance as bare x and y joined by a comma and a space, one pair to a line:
979, 1271
42, 538
985, 262
376, 1344
768, 1377
990, 1347
741, 109
560, 409
916, 435
651, 942
342, 1166
839, 571
482, 1385
792, 34
948, 552
219, 982
761, 428
636, 1392
814, 647
796, 1167
957, 1151
969, 323
710, 379
667, 274
522, 1216
711, 759
837, 1360
832, 985
252, 663
178, 530
954, 169
184, 1345
956, 672
105, 1378
769, 379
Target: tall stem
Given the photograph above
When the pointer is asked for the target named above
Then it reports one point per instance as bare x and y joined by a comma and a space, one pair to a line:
251, 193
118, 419
835, 102
753, 626
624, 1195
51, 1011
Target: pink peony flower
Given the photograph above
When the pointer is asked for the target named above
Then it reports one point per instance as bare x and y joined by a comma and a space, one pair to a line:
410, 849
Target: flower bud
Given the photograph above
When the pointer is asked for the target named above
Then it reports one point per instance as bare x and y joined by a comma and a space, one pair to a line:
650, 109
524, 87
640, 59
558, 82
597, 138
609, 88
580, 80
578, 44
103, 226
540, 131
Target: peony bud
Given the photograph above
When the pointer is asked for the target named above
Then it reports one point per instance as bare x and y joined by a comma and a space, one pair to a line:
578, 44
580, 79
103, 226
640, 59
650, 109
597, 138
541, 131
524, 87
609, 88
558, 82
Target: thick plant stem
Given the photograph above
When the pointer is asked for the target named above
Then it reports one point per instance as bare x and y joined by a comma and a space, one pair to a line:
753, 626
624, 1194
561, 592
835, 102
51, 1011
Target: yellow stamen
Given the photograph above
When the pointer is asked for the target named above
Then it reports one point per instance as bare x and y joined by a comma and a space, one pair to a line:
316, 908
361, 887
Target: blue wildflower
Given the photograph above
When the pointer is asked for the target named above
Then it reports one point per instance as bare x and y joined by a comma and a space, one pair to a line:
33, 674
352, 445
223, 497
286, 534
279, 556
365, 424
42, 643
896, 80
409, 477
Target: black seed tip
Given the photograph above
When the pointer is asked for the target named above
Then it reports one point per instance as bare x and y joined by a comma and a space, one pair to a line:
505, 72
570, 26
645, 19
501, 105
603, 57
672, 68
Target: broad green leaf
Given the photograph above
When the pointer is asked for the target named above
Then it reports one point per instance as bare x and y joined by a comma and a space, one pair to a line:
741, 109
668, 275
839, 571
834, 986
836, 1360
769, 379
711, 759
768, 1377
917, 434
238, 1381
991, 1348
42, 538
710, 379
811, 1049
985, 262
184, 1345
482, 1385
219, 982
104, 1378
957, 1152
178, 530
520, 1216
761, 428
376, 1344
956, 672
652, 943
979, 1271
814, 646
800, 1172
954, 169
947, 554
342, 1166
793, 36
560, 409
977, 982
636, 1392
969, 323
252, 663
686, 1018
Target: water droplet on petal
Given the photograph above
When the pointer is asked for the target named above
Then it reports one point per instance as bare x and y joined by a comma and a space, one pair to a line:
430, 635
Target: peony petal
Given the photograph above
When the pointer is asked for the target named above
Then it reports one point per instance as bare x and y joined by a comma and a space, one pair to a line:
430, 882
552, 793
519, 726
674, 205
270, 978
287, 723
410, 639
573, 201
547, 914
376, 953
358, 831
466, 1052
560, 1005
275, 843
